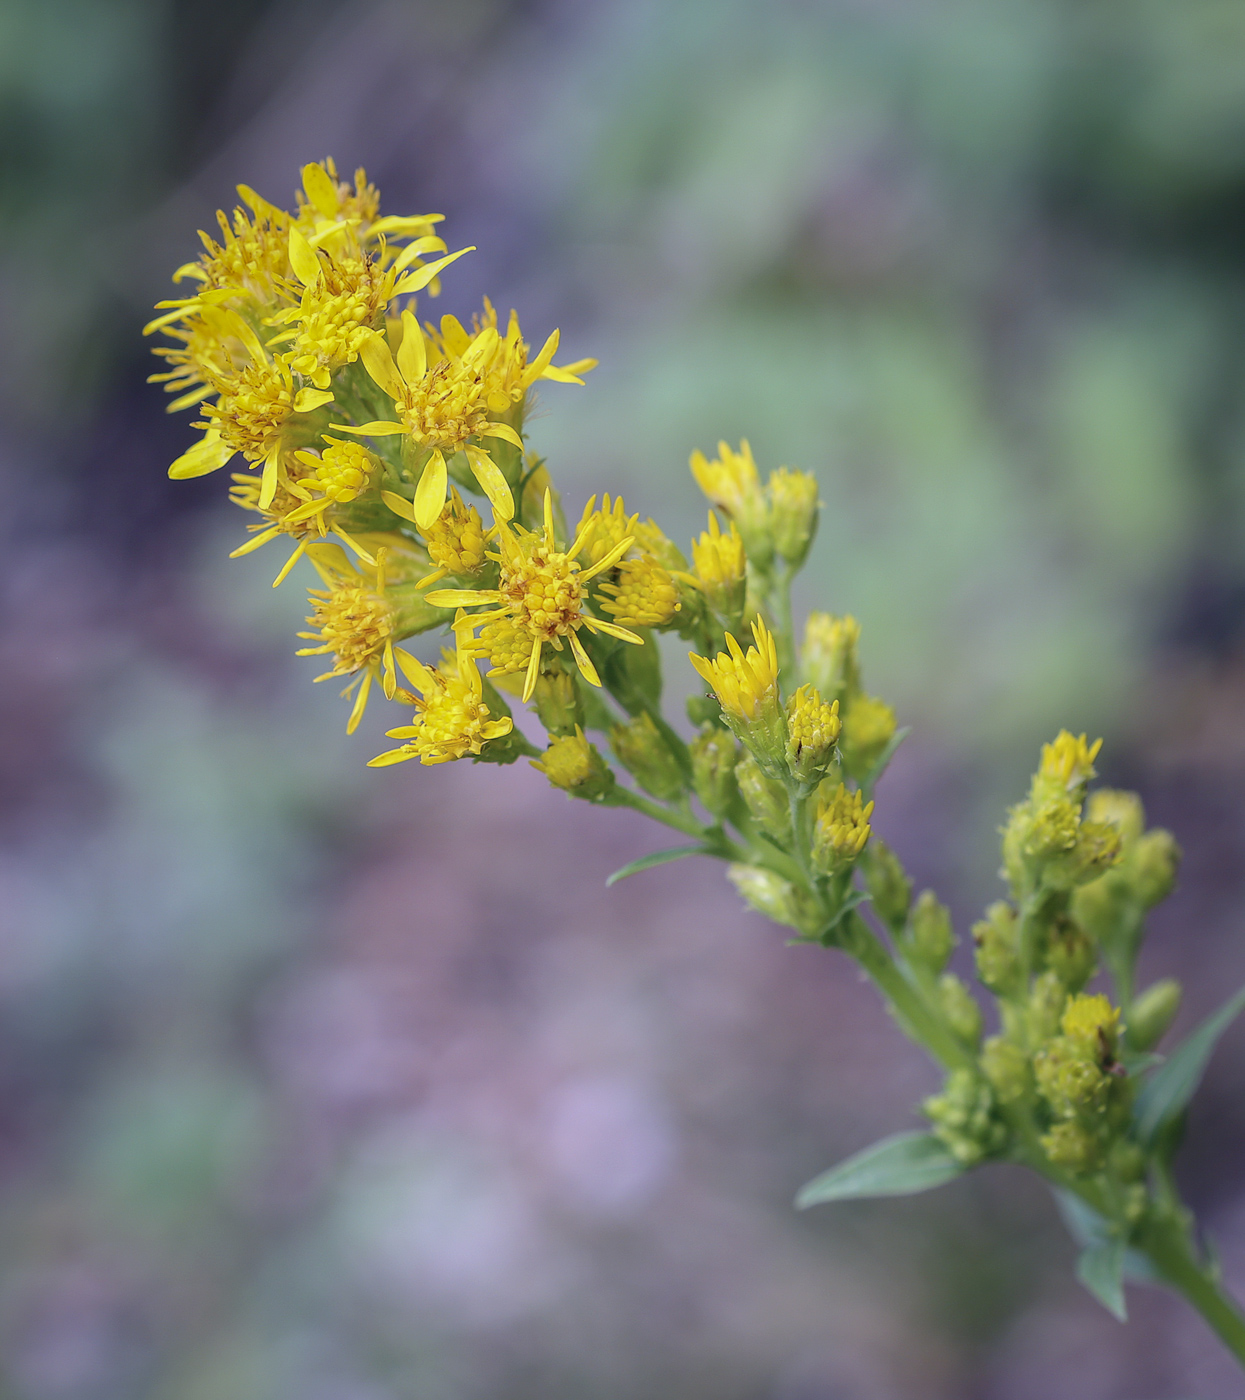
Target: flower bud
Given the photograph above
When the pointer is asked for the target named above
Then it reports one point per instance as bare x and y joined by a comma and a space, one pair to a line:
868, 726
644, 753
766, 798
960, 1008
746, 685
1006, 1066
930, 936
996, 942
1156, 859
888, 885
793, 513
558, 703
1152, 1014
812, 728
574, 765
964, 1118
1070, 954
1123, 810
730, 481
828, 657
776, 898
722, 570
1073, 1147
714, 755
841, 829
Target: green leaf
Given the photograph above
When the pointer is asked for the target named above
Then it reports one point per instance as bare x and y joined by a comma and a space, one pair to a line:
897, 1166
884, 759
1164, 1097
1091, 1231
1101, 1269
655, 858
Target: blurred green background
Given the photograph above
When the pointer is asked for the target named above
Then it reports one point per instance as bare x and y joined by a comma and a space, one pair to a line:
325, 1083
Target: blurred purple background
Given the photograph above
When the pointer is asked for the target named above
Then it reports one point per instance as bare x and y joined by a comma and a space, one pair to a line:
337, 1084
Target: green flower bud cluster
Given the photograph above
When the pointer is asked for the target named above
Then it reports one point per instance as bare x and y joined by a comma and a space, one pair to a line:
643, 751
965, 1116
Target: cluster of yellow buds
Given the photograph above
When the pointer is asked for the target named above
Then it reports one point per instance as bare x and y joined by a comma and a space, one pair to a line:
363, 432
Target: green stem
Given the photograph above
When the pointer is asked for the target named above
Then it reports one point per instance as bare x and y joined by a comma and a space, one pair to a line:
687, 824
917, 1018
780, 603
1170, 1249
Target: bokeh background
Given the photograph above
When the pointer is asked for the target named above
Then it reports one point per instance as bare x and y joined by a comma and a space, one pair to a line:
332, 1084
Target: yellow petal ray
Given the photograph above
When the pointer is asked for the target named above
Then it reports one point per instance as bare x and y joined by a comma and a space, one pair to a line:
387, 759
502, 430
255, 542
560, 375
430, 493
586, 668
303, 259
609, 560
289, 564
268, 483
207, 455
360, 704
541, 362
412, 356
322, 235
399, 505
371, 429
428, 244
415, 671
358, 548
389, 676
378, 362
612, 629
308, 400
462, 598
492, 482
533, 671
320, 190
416, 281
548, 516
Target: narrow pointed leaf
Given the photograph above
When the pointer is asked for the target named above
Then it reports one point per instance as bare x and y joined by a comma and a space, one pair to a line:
655, 858
1101, 1269
897, 1166
1166, 1095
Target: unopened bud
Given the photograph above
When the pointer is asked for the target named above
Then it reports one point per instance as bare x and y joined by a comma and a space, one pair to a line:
793, 513
721, 570
841, 829
714, 755
930, 936
644, 753
1156, 859
1123, 810
868, 726
964, 1118
776, 898
888, 885
1070, 954
1006, 1066
574, 765
997, 949
960, 1008
766, 798
828, 657
558, 703
1152, 1013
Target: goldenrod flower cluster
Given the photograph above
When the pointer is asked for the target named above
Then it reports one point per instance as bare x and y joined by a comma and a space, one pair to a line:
391, 452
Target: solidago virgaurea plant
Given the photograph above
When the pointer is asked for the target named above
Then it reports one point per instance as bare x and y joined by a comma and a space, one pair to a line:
389, 450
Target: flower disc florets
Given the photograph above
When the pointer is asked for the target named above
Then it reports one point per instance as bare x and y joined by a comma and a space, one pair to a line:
452, 719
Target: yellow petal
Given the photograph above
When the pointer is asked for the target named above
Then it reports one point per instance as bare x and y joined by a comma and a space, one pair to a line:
385, 760
360, 704
371, 429
254, 543
430, 493
416, 281
303, 259
587, 669
415, 671
207, 455
379, 364
268, 484
308, 400
321, 190
502, 430
399, 505
492, 483
462, 597
412, 357
289, 564
533, 671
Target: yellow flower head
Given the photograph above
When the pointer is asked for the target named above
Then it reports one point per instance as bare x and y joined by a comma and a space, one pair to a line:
451, 718
540, 598
746, 685
1093, 1024
603, 529
645, 595
721, 568
829, 654
1066, 767
812, 730
457, 541
449, 390
730, 480
842, 828
574, 765
355, 620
